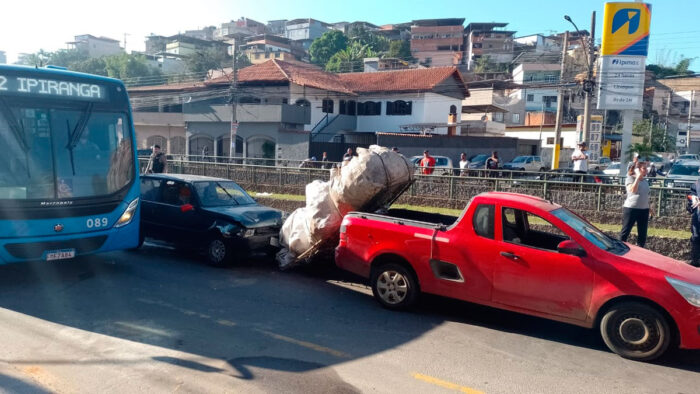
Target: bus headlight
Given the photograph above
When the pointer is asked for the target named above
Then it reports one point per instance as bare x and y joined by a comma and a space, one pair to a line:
128, 214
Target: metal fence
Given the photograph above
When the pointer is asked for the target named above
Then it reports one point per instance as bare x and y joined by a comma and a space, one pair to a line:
579, 196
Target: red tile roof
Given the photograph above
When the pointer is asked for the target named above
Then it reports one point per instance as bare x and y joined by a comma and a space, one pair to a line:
173, 87
422, 79
304, 74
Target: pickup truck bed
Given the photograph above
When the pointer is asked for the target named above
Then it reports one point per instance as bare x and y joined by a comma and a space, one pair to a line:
408, 217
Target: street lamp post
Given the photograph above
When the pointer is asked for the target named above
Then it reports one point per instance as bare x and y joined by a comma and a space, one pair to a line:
588, 83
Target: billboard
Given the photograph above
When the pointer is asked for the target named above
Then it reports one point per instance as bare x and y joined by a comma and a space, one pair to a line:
626, 29
624, 49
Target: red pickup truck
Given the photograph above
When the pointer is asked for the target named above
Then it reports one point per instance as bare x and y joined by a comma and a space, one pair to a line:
528, 255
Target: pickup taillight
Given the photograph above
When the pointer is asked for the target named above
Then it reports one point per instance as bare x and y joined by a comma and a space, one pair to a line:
343, 232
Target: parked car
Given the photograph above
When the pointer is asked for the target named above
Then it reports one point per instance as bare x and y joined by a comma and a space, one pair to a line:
686, 157
567, 175
612, 169
443, 165
601, 164
525, 163
656, 161
478, 162
683, 174
211, 214
525, 254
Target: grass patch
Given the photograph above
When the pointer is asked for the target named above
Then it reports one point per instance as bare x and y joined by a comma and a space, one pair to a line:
613, 228
288, 197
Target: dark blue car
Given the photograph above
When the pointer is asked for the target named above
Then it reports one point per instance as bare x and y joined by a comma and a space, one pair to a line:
210, 214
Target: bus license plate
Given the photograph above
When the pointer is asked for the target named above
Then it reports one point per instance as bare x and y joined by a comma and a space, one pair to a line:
60, 254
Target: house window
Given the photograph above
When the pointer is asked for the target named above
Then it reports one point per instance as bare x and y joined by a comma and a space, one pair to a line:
549, 100
277, 54
350, 107
530, 97
341, 107
453, 110
399, 107
550, 78
497, 116
550, 141
327, 106
516, 118
302, 103
369, 108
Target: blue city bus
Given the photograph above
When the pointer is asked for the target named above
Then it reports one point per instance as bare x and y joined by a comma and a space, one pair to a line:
68, 169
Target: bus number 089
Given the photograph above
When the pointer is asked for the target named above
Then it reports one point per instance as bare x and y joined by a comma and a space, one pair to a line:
97, 222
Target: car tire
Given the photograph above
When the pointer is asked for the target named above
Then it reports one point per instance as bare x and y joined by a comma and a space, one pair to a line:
394, 286
218, 252
635, 331
542, 169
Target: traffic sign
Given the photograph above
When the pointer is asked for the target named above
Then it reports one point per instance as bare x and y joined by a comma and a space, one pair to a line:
626, 29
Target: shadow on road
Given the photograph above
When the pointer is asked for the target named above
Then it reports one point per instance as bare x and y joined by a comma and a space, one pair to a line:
256, 318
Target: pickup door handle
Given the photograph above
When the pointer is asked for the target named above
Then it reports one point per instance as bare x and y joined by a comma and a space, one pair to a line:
510, 255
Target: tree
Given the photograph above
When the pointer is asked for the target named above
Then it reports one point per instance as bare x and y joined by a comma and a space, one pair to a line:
400, 49
375, 42
484, 64
660, 142
39, 59
91, 66
324, 47
681, 68
209, 59
67, 58
350, 59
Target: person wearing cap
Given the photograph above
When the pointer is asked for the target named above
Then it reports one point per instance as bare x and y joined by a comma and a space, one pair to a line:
580, 158
427, 163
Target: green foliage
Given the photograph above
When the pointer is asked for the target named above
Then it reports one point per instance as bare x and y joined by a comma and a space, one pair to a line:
131, 68
67, 58
96, 66
484, 64
400, 49
682, 68
659, 141
39, 59
375, 42
209, 59
350, 58
324, 47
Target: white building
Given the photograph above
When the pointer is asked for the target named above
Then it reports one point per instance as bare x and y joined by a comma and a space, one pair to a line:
96, 46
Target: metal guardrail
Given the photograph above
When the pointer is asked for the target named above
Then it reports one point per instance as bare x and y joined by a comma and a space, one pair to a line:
580, 196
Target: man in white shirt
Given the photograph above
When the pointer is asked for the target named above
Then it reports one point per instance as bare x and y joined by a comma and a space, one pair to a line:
580, 158
463, 164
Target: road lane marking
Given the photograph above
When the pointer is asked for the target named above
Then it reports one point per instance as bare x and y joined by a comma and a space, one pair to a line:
144, 329
308, 345
224, 322
446, 384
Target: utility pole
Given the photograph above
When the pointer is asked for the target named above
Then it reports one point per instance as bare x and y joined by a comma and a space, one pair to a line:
125, 34
234, 99
651, 128
668, 112
560, 103
690, 121
588, 83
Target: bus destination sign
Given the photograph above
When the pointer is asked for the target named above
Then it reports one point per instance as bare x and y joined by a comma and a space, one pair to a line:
52, 88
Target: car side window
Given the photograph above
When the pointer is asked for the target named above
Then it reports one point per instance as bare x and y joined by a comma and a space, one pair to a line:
176, 193
527, 229
150, 189
483, 220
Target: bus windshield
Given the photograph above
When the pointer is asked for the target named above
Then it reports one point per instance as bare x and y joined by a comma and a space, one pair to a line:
52, 153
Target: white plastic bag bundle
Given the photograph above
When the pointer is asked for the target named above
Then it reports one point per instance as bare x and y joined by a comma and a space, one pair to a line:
373, 174
371, 178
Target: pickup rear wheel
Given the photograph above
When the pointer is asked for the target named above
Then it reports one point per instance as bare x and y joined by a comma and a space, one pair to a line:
394, 286
635, 331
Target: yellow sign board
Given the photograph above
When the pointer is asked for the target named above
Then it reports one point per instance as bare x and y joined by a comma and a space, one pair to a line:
626, 29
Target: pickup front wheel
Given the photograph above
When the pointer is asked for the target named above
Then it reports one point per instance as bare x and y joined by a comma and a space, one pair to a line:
394, 286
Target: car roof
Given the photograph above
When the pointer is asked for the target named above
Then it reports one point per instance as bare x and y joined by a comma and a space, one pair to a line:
185, 177
517, 200
689, 163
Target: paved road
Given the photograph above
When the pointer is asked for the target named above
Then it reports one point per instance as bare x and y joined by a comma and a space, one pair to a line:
160, 321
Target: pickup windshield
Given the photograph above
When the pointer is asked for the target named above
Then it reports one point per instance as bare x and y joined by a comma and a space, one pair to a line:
592, 234
51, 153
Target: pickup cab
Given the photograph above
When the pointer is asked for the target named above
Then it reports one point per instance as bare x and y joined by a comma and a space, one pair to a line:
525, 254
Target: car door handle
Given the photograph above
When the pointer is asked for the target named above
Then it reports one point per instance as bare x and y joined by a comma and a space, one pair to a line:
510, 255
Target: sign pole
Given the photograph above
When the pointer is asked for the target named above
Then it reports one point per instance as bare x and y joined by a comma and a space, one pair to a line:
560, 104
627, 122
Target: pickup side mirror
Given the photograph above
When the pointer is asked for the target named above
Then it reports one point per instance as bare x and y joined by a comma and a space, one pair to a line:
571, 247
186, 208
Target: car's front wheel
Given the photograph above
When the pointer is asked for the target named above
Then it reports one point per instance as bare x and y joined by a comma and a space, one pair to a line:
635, 331
218, 252
394, 286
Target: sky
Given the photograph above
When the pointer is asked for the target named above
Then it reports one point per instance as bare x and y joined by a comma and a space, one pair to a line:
27, 26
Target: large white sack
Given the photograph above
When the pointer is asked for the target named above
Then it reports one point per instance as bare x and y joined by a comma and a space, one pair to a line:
322, 215
295, 234
374, 174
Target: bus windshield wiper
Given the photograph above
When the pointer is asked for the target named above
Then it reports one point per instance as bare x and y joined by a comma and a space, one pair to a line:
74, 136
18, 131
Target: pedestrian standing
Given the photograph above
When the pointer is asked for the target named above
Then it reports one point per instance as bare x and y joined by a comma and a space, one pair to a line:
427, 163
325, 164
158, 162
692, 206
580, 159
492, 163
348, 155
636, 206
463, 164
